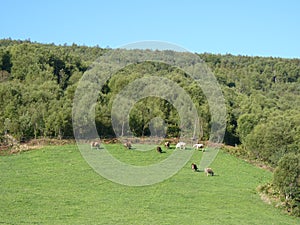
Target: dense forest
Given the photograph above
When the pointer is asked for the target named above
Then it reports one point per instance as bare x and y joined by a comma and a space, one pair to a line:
262, 95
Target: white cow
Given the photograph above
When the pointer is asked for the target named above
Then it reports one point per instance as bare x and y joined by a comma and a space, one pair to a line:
167, 144
197, 146
181, 145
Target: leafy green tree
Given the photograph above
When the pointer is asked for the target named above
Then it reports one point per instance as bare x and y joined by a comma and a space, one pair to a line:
270, 140
286, 179
6, 63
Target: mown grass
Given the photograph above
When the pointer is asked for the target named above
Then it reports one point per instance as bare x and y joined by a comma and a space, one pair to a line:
54, 185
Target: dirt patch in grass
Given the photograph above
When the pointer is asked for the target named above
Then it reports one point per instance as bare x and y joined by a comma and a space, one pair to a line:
33, 144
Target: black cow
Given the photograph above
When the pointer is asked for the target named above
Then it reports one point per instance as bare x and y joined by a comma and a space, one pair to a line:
158, 149
194, 167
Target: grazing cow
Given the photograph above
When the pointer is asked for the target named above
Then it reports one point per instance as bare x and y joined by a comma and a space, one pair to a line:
194, 167
95, 144
158, 149
209, 171
180, 145
127, 145
199, 146
167, 145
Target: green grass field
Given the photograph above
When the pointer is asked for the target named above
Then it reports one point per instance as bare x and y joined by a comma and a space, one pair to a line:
55, 185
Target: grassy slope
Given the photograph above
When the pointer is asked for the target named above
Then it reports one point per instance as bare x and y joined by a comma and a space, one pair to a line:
56, 186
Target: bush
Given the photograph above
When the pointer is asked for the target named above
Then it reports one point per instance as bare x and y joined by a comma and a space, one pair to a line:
271, 140
287, 180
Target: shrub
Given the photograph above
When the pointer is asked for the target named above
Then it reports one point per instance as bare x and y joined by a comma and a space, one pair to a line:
287, 180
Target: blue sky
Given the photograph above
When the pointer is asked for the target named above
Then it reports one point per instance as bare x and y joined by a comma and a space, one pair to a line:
254, 28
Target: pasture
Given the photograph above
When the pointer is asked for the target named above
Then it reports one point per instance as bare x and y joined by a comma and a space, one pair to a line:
55, 185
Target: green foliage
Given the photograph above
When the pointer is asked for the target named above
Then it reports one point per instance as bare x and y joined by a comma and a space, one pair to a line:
5, 62
272, 139
287, 175
37, 85
287, 180
38, 82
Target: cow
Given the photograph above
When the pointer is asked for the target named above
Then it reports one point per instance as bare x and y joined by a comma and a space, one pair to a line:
180, 145
194, 167
158, 149
127, 145
95, 145
199, 146
167, 145
209, 171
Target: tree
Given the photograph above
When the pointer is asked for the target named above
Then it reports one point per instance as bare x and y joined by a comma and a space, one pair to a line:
6, 63
277, 136
286, 179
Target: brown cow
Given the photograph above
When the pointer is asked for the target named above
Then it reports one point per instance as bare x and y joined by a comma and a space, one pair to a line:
127, 145
95, 144
209, 171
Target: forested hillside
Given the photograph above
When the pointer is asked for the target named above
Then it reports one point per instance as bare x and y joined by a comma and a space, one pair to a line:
38, 82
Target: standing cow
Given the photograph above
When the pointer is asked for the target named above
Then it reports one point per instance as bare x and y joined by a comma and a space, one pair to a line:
127, 145
194, 167
95, 144
167, 145
209, 171
158, 149
199, 146
181, 145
